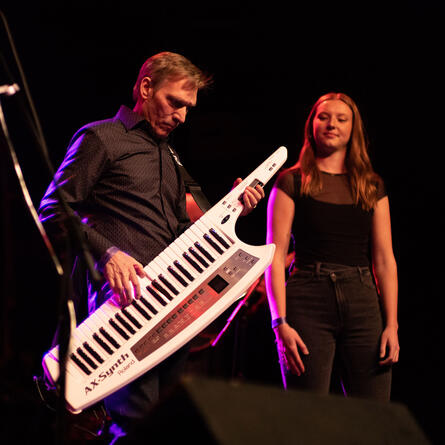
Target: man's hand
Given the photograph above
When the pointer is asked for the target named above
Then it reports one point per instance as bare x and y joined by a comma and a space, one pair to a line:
251, 196
122, 271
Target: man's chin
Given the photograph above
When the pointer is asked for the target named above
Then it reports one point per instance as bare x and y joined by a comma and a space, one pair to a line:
162, 133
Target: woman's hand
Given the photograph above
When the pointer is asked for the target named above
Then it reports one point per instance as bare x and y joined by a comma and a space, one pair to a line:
289, 345
389, 346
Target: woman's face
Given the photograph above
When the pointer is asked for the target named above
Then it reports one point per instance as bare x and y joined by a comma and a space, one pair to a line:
332, 126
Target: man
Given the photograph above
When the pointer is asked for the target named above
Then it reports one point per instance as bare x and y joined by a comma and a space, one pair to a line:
121, 178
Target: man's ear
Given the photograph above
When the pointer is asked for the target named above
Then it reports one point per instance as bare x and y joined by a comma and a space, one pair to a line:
146, 88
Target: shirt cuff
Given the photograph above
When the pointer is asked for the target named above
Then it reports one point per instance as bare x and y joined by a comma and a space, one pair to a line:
106, 257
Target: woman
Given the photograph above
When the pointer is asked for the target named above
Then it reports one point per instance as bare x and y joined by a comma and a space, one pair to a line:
333, 307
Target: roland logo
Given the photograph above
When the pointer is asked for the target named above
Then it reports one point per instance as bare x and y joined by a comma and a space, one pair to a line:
103, 375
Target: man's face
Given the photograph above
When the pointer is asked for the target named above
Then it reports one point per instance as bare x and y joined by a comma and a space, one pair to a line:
166, 106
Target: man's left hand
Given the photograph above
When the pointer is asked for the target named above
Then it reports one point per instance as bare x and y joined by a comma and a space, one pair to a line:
251, 197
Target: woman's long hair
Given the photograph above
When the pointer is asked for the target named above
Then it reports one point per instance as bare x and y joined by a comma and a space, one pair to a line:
362, 178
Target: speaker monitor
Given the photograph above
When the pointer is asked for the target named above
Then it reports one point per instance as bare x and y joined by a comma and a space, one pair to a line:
208, 411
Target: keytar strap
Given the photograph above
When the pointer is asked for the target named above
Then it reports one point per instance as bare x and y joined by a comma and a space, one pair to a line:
191, 185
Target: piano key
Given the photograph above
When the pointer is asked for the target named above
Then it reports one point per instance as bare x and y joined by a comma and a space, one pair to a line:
93, 322
196, 235
204, 252
206, 236
110, 310
173, 288
161, 266
102, 343
187, 238
77, 338
93, 352
158, 266
149, 298
219, 238
141, 310
133, 313
192, 262
148, 305
181, 248
198, 257
131, 317
156, 295
86, 358
164, 261
209, 227
124, 323
184, 271
177, 279
177, 276
71, 369
210, 224
88, 335
209, 246
108, 337
96, 330
118, 329
102, 316
80, 364
168, 284
85, 331
162, 290
104, 313
149, 273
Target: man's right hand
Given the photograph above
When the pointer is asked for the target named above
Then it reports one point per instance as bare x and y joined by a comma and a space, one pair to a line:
122, 271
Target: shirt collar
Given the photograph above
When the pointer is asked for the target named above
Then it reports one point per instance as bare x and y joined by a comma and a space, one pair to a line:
131, 120
128, 117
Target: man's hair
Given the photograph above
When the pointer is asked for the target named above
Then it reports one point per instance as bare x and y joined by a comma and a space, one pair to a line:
167, 65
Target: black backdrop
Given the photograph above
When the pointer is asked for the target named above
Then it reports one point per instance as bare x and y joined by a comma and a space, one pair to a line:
269, 65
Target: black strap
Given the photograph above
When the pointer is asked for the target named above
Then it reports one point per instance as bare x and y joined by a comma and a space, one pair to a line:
191, 185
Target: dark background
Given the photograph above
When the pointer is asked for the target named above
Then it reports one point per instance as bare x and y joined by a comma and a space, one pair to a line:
269, 63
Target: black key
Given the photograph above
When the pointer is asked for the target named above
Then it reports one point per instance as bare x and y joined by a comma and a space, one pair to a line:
86, 358
161, 289
93, 352
141, 310
124, 323
76, 360
118, 329
204, 252
131, 318
213, 244
177, 276
183, 270
198, 257
156, 295
109, 338
148, 305
169, 285
102, 343
219, 238
192, 262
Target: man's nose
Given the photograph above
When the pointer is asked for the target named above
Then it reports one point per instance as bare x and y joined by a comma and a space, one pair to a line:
180, 114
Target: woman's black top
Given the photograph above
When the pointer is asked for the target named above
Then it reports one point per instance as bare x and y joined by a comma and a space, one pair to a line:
329, 227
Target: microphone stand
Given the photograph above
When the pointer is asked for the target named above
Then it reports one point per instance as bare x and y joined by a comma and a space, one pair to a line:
75, 239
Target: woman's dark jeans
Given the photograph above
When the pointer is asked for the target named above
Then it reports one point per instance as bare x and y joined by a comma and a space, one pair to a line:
336, 311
